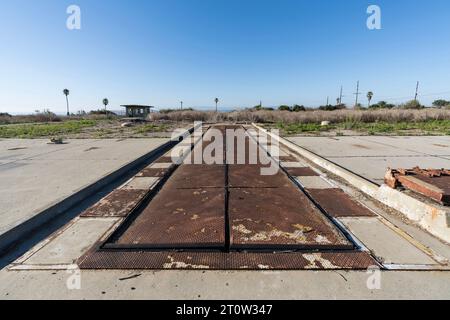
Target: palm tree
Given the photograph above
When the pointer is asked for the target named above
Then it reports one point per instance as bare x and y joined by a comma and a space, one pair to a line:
105, 103
216, 100
66, 93
369, 97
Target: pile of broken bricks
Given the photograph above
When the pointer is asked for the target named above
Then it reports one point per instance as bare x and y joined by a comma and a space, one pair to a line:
432, 183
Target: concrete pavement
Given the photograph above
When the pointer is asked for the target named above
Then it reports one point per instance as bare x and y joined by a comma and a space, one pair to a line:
34, 175
370, 156
224, 285
60, 250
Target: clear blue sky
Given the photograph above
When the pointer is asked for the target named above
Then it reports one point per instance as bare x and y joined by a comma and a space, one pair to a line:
159, 52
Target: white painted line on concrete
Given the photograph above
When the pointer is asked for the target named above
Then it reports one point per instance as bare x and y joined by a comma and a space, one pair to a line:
414, 267
42, 267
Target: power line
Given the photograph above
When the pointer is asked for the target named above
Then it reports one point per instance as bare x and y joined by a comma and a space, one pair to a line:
419, 95
434, 94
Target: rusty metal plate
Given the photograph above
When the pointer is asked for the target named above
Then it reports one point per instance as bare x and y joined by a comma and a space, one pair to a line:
179, 218
203, 149
118, 203
249, 176
133, 260
229, 144
338, 204
301, 172
198, 176
248, 152
280, 218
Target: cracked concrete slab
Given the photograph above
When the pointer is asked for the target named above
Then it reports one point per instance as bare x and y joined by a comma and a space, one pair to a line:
62, 169
371, 156
385, 243
224, 285
72, 242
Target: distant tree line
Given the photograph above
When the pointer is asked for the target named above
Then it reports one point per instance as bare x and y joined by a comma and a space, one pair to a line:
102, 112
413, 104
441, 103
294, 108
166, 111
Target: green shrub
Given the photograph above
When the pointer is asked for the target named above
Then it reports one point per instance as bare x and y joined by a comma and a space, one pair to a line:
297, 108
44, 129
441, 103
382, 105
332, 108
167, 111
413, 104
102, 112
284, 108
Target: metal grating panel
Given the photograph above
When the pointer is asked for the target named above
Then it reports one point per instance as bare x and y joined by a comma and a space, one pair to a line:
118, 203
282, 217
338, 204
227, 261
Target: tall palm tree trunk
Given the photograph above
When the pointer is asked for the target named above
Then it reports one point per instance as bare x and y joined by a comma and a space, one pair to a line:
67, 103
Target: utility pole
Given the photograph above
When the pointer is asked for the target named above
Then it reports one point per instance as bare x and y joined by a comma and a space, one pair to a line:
357, 94
340, 96
328, 100
181, 103
417, 92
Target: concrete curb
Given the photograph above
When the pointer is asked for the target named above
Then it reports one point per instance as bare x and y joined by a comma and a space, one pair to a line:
431, 218
13, 236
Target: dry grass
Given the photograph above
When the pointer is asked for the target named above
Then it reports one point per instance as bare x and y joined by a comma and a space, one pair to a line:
48, 117
315, 116
41, 117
